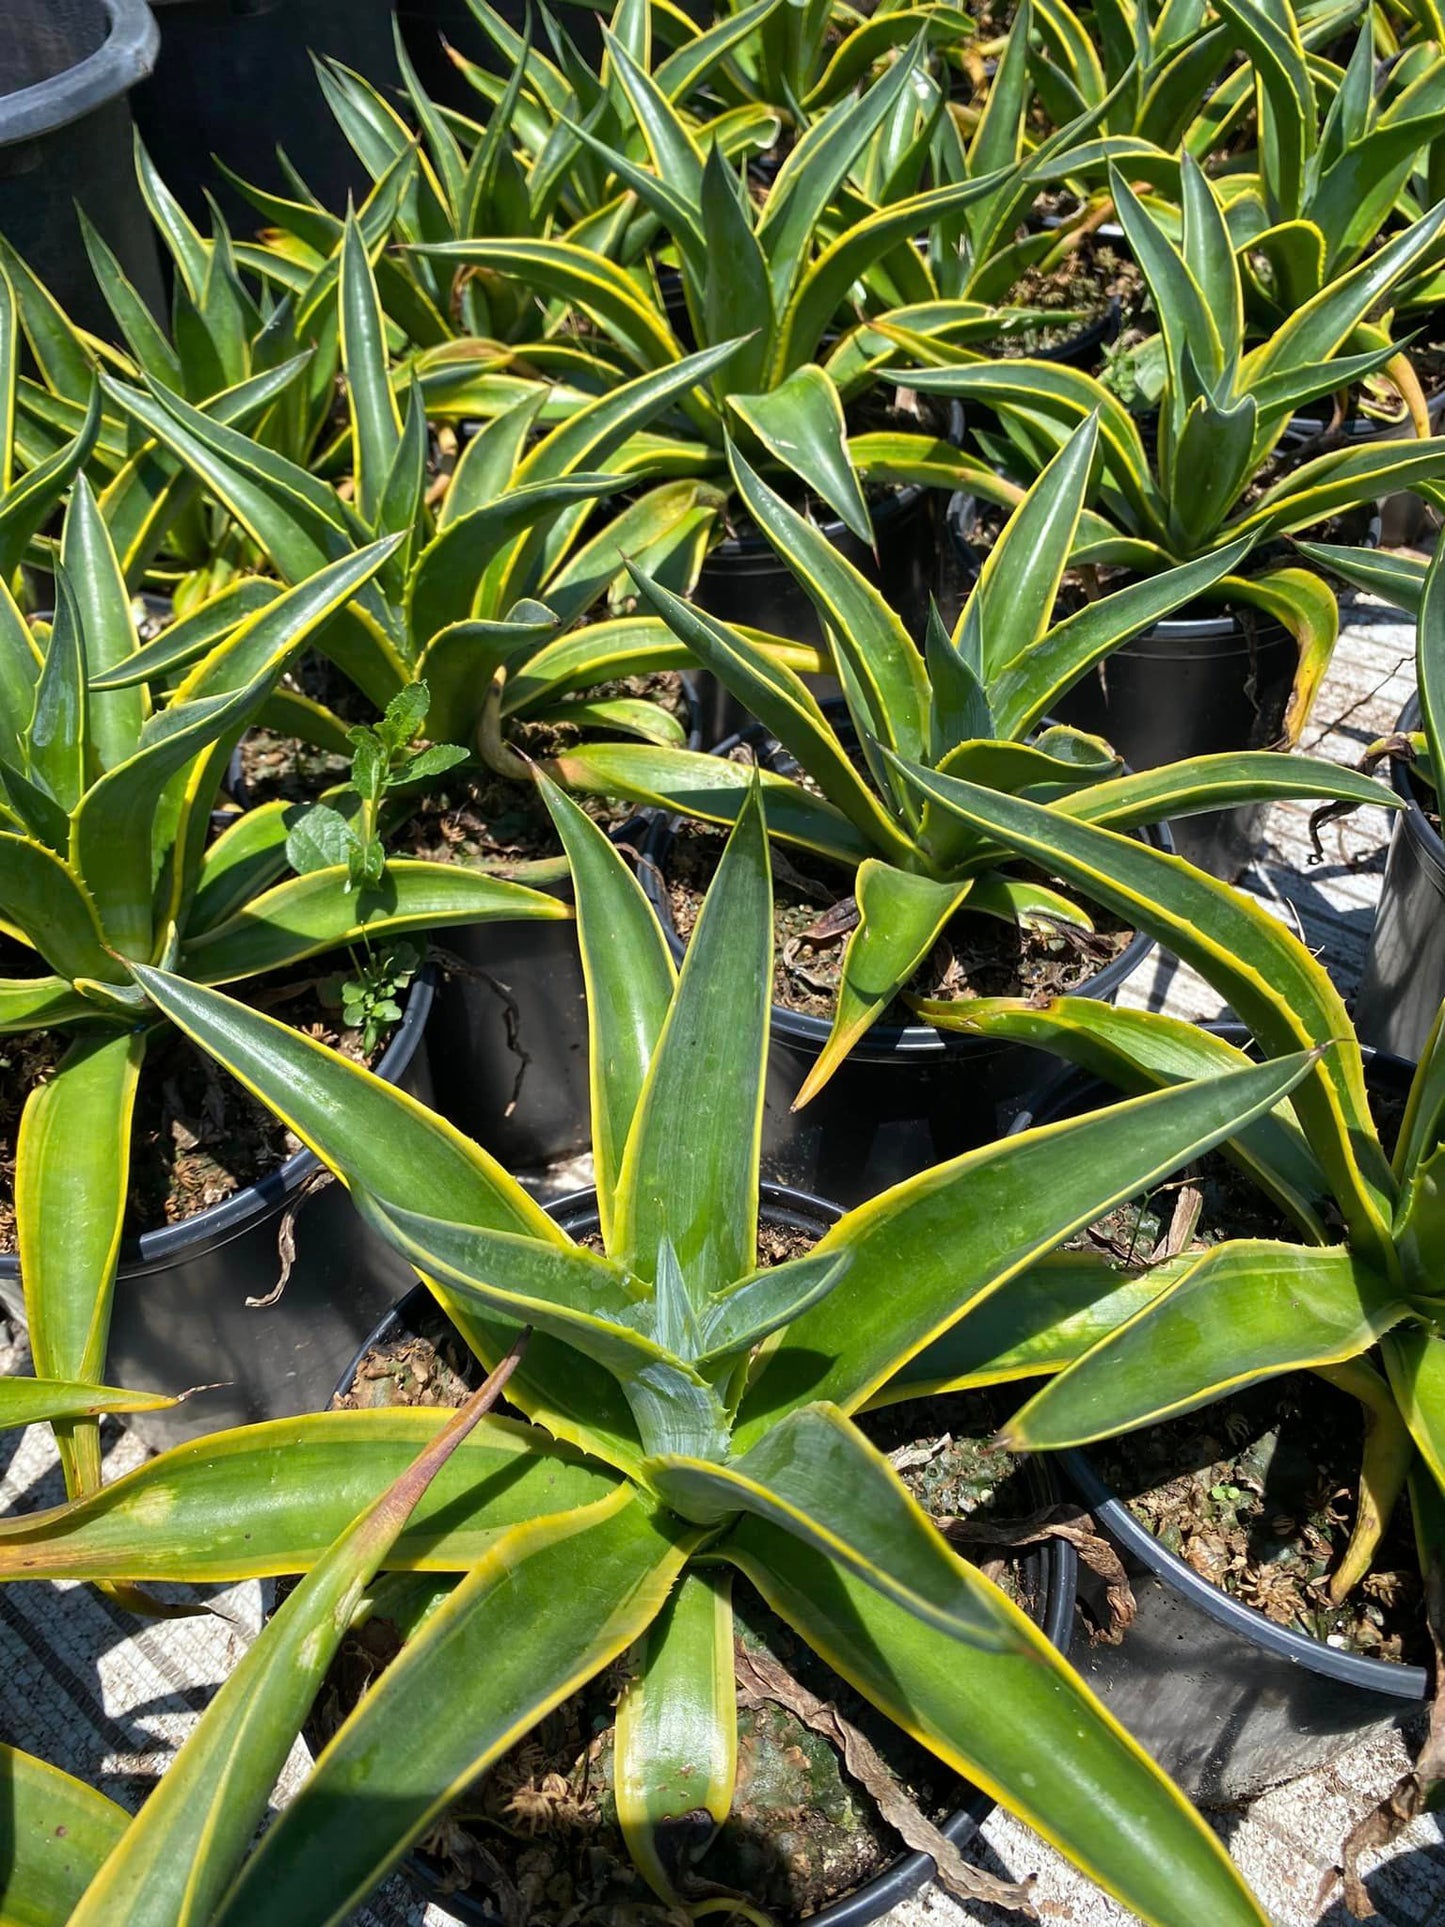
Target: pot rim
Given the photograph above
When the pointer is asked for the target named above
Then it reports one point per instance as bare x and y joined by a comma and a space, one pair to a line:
912, 1870
1408, 1683
127, 54
169, 1244
883, 1043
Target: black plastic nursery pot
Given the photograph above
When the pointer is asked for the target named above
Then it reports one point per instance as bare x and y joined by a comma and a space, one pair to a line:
1194, 686
66, 71
1404, 981
180, 1316
235, 80
906, 1096
1227, 1701
1053, 1566
508, 1041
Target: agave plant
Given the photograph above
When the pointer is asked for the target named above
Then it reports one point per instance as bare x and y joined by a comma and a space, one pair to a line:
514, 553
977, 701
774, 281
526, 174
1335, 153
107, 858
1361, 1283
688, 1416
1222, 413
266, 364
769, 65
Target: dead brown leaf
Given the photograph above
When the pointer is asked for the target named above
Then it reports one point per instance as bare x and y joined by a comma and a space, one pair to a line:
760, 1677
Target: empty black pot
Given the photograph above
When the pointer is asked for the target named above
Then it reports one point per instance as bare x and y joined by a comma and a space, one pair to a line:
235, 79
1054, 1569
66, 70
1404, 981
907, 1096
1224, 1699
180, 1315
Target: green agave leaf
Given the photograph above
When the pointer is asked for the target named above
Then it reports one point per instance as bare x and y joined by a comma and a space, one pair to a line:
676, 1739
1023, 691
881, 667
1415, 1361
249, 854
711, 787
1036, 1324
35, 1401
1314, 332
1420, 1128
308, 915
1138, 1051
1247, 1310
928, 1250
900, 917
268, 1499
1018, 585
689, 1173
448, 578
564, 272
107, 628
580, 1301
30, 502
113, 830
993, 1717
630, 978
754, 1308
182, 643
1218, 782
181, 1853
737, 296
57, 740
375, 418
55, 1832
379, 1140
20, 662
800, 423
1264, 972
771, 690
72, 1166
1397, 578
816, 1476
38, 1003
627, 646
553, 1604
47, 906
817, 167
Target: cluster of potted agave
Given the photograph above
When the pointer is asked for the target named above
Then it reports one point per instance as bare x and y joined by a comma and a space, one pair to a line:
703, 621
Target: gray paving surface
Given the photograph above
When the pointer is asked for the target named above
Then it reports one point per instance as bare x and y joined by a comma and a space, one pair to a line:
87, 1690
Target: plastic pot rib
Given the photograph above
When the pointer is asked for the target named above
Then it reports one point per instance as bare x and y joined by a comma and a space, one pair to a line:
180, 1314
1054, 1564
1226, 1701
66, 70
1404, 981
235, 80
907, 1096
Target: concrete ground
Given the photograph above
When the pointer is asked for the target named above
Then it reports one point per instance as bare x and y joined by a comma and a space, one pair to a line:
89, 1692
